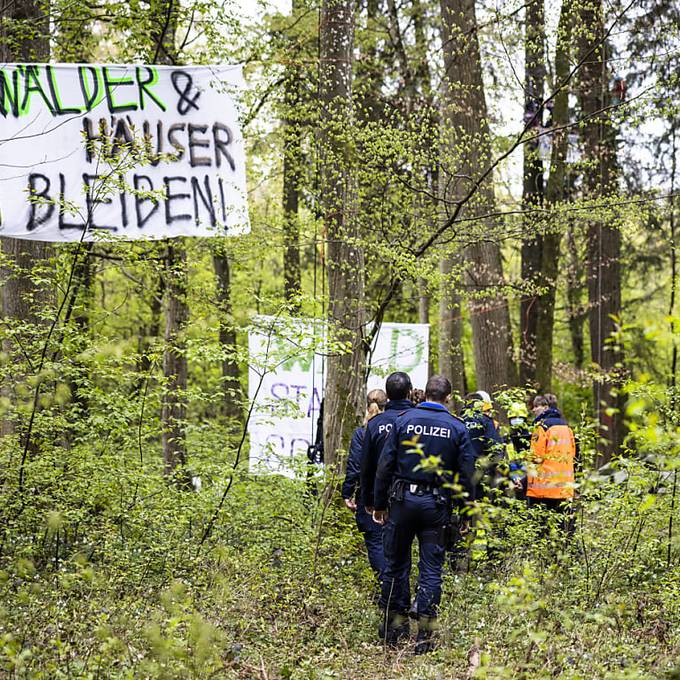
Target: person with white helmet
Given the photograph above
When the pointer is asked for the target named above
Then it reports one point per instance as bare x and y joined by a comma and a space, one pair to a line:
477, 414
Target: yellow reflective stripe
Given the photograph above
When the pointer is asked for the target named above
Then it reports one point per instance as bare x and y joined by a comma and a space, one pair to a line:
555, 473
559, 442
547, 485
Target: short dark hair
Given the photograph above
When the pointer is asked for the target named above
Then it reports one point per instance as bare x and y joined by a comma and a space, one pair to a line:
398, 385
438, 388
540, 400
552, 400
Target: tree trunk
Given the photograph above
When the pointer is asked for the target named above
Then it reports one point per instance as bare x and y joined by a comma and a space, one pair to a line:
173, 407
152, 331
83, 293
231, 383
555, 194
423, 302
674, 271
604, 238
468, 150
451, 358
175, 369
24, 37
532, 192
343, 401
292, 167
575, 310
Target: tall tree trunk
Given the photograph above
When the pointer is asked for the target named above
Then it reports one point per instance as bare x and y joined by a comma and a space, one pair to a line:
292, 167
343, 401
148, 333
604, 238
175, 368
467, 140
72, 42
451, 358
83, 293
173, 406
24, 37
555, 194
231, 384
426, 202
532, 193
575, 309
368, 75
423, 301
674, 269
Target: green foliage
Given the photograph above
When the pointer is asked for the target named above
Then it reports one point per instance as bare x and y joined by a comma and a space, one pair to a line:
108, 569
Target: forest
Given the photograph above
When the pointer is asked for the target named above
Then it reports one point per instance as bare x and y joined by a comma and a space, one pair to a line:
499, 176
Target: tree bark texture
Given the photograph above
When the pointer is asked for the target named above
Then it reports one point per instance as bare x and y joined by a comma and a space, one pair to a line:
532, 191
174, 401
451, 357
152, 331
576, 312
292, 168
24, 37
467, 152
231, 383
604, 238
554, 195
344, 398
423, 301
175, 368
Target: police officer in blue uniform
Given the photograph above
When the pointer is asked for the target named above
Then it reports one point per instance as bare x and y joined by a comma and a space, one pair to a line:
398, 388
420, 502
375, 404
486, 439
491, 474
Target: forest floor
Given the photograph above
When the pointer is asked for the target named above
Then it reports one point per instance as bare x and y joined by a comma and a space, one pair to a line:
282, 589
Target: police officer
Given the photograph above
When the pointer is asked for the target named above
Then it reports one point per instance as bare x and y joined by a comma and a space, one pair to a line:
419, 506
351, 493
486, 440
491, 474
398, 388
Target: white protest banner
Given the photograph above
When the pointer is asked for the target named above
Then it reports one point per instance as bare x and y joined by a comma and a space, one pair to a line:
129, 152
287, 397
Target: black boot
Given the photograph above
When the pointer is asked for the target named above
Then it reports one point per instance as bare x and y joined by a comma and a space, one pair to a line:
413, 612
394, 628
425, 642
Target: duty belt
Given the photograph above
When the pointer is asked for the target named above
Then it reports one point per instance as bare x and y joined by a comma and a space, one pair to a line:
420, 489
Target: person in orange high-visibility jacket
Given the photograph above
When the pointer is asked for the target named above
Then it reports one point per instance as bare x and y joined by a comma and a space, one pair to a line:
552, 457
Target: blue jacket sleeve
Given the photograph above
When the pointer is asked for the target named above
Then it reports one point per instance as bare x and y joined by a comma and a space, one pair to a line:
387, 464
466, 463
353, 472
368, 466
493, 440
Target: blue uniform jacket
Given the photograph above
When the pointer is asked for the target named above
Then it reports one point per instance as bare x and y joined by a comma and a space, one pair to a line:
441, 434
376, 432
486, 439
353, 473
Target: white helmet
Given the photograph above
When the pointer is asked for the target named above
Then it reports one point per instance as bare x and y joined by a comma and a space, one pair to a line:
486, 398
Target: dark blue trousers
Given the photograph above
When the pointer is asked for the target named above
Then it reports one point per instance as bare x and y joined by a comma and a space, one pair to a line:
422, 517
373, 538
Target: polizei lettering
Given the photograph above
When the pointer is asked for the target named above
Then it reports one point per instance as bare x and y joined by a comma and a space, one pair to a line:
429, 431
